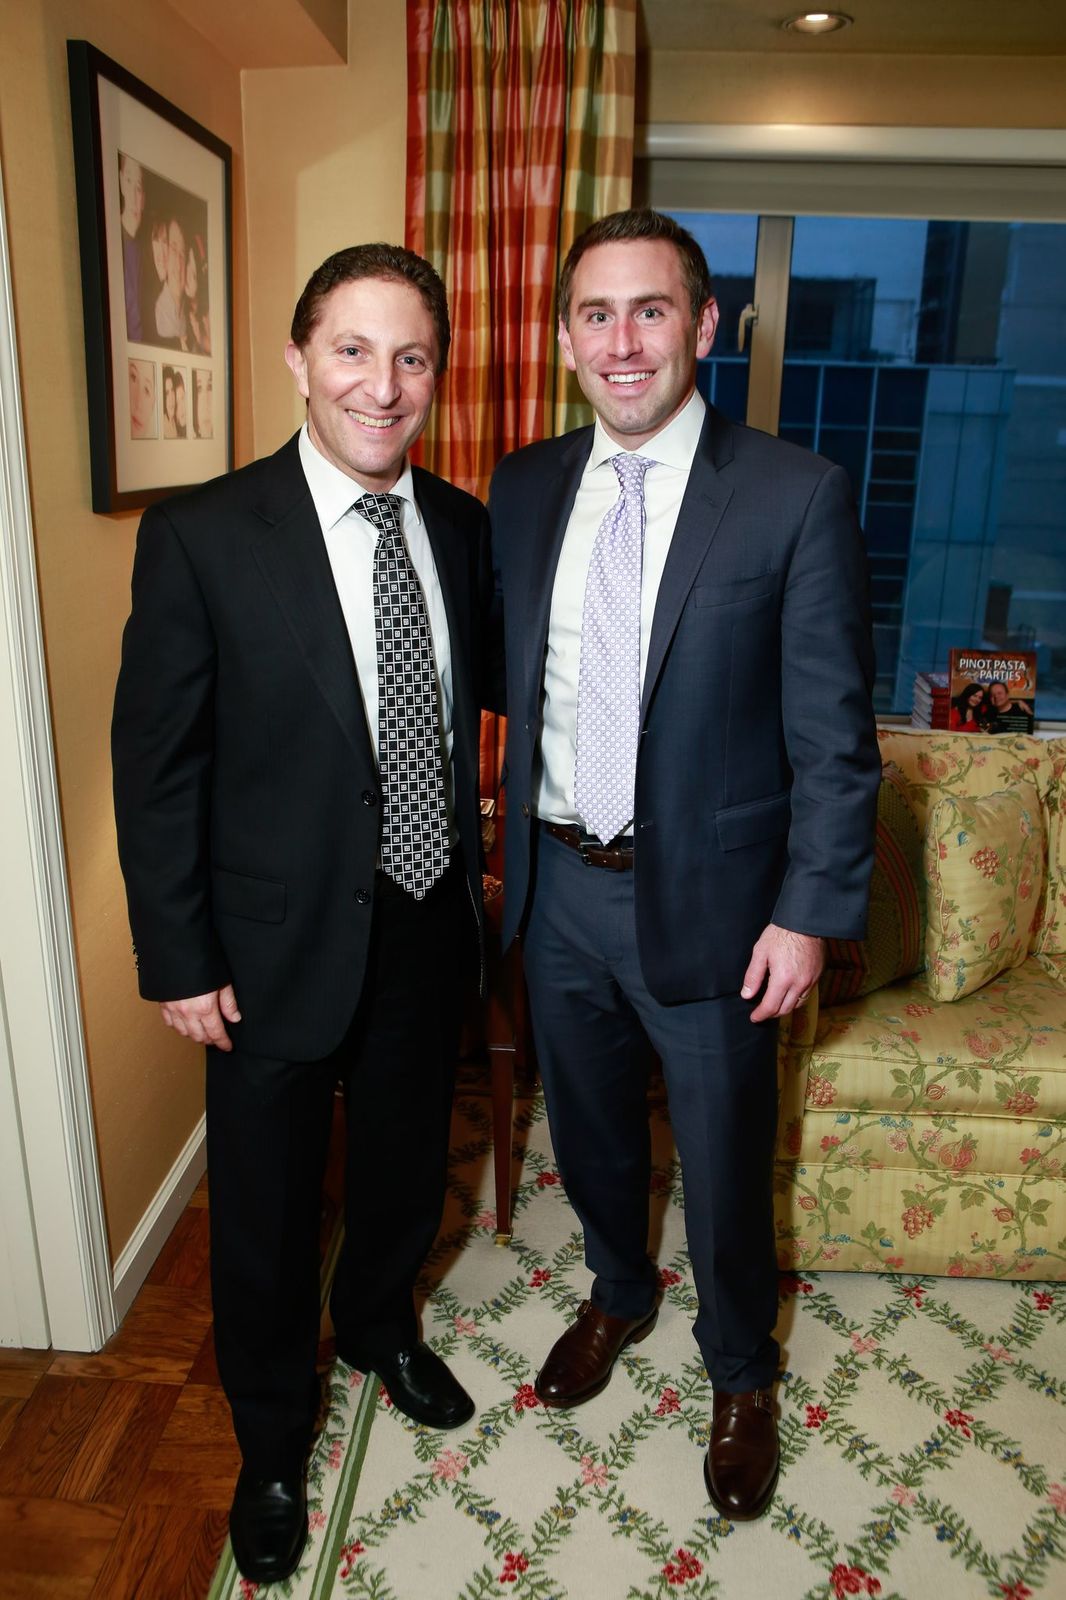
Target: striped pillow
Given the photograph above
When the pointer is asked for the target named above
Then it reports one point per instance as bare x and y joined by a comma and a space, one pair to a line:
895, 933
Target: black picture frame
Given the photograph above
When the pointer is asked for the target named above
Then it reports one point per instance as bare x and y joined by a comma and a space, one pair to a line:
154, 201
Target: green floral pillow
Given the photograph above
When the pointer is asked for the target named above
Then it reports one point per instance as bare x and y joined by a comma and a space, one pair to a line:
984, 865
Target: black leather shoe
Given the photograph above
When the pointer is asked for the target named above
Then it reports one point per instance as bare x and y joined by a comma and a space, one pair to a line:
418, 1384
741, 1465
268, 1526
581, 1360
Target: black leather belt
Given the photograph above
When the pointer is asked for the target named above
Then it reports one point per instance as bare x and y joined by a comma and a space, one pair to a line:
615, 857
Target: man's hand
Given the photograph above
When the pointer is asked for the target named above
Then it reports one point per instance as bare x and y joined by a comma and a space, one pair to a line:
790, 963
200, 1018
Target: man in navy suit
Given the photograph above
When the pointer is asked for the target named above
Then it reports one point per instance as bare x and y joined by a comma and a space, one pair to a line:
295, 749
692, 779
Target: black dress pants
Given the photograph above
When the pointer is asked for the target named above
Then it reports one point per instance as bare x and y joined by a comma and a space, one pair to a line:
268, 1126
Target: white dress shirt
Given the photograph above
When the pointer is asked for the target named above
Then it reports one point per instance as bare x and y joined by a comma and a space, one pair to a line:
350, 542
672, 450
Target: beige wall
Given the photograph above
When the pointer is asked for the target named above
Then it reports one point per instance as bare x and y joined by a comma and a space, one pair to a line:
907, 91
146, 1084
326, 168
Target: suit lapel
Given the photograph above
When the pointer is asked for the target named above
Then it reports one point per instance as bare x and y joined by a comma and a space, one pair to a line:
558, 493
702, 508
291, 555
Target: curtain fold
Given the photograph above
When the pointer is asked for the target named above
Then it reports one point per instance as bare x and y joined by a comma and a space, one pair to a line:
520, 133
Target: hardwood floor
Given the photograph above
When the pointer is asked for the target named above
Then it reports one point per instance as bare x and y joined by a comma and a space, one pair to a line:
117, 1469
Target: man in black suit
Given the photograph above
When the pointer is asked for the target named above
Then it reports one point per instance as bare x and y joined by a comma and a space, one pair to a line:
295, 750
692, 777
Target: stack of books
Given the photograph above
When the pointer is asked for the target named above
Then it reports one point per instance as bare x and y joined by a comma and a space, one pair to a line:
931, 706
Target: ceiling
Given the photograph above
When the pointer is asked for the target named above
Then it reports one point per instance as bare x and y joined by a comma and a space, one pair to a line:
271, 33
260, 33
895, 27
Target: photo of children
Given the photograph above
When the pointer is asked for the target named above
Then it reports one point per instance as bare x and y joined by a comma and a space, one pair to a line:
142, 400
174, 407
164, 260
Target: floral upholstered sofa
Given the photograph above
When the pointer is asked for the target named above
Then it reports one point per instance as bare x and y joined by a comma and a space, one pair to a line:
923, 1118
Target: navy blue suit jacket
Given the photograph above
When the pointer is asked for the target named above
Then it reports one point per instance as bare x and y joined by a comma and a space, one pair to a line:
757, 766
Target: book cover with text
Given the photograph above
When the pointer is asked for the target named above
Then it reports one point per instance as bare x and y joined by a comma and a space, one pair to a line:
992, 691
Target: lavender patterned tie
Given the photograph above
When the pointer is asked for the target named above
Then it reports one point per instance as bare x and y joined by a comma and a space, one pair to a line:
608, 690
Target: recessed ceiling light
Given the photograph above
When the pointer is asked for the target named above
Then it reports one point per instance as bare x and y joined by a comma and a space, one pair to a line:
817, 22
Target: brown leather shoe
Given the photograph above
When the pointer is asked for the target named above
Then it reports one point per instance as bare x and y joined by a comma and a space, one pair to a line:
579, 1363
742, 1460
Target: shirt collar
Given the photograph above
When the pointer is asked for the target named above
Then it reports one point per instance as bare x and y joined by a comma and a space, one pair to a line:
334, 493
673, 446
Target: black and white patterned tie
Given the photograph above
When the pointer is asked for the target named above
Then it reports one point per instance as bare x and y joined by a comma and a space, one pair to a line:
414, 824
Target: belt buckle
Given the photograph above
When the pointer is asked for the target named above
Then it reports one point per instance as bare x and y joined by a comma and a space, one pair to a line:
583, 848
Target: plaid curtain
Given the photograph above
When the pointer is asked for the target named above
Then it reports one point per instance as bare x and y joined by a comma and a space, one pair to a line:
520, 133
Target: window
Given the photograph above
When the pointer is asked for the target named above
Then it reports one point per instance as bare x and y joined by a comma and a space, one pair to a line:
926, 355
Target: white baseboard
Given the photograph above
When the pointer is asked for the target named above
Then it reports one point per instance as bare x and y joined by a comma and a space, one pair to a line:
157, 1224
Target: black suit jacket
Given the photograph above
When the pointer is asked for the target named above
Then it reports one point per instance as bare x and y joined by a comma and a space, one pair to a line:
246, 789
757, 766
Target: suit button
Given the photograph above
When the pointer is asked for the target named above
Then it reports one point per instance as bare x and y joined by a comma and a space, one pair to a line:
369, 798
525, 810
363, 896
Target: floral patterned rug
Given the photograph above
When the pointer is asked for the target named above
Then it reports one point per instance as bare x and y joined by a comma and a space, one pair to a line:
923, 1431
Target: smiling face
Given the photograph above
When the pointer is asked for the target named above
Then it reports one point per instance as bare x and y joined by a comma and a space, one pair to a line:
632, 339
368, 374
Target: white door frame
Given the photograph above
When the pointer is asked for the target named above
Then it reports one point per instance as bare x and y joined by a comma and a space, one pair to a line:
55, 1268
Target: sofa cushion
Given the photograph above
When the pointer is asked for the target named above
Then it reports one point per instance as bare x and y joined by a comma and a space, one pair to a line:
999, 1051
984, 869
894, 944
935, 764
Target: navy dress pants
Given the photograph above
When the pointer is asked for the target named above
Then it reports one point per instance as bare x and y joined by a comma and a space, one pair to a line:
592, 1020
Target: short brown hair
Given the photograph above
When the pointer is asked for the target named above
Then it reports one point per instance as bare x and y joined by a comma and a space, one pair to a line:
389, 261
641, 223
